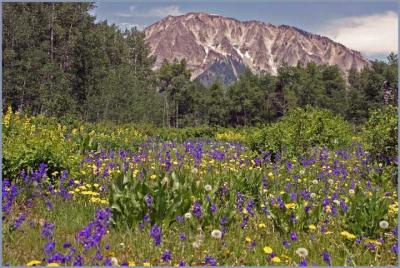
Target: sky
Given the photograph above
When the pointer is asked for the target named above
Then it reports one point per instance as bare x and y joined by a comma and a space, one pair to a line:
366, 26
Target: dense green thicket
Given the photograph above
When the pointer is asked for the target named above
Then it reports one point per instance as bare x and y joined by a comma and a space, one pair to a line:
58, 61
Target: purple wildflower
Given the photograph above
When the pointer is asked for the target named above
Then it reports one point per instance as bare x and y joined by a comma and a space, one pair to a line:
210, 261
166, 256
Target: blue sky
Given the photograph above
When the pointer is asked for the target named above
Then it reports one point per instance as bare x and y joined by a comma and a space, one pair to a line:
366, 26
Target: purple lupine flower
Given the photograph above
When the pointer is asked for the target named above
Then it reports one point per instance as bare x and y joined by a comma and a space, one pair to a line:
146, 218
108, 262
239, 201
57, 257
49, 247
182, 263
49, 204
47, 229
19, 221
303, 262
250, 206
166, 256
180, 219
293, 236
244, 222
286, 244
197, 209
223, 221
395, 248
182, 236
155, 233
326, 257
149, 200
213, 208
210, 261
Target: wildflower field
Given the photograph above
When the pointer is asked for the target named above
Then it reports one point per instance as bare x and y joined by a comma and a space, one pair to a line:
307, 190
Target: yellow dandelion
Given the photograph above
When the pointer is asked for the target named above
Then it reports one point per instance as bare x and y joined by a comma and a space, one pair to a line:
131, 263
248, 239
146, 264
53, 264
153, 176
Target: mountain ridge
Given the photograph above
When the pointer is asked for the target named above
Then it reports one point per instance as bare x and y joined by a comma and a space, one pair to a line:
209, 40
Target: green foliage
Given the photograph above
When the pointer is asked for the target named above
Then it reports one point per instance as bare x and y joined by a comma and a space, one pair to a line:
380, 134
365, 212
29, 142
170, 198
302, 129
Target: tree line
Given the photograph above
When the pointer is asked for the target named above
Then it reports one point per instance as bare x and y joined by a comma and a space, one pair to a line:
58, 61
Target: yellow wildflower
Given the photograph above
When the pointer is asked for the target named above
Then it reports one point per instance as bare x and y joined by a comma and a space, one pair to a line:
53, 264
267, 250
290, 205
348, 235
146, 264
153, 176
312, 227
248, 239
33, 263
276, 259
131, 263
261, 225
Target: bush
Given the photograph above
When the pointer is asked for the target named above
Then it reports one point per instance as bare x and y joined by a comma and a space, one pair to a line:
302, 129
379, 135
28, 142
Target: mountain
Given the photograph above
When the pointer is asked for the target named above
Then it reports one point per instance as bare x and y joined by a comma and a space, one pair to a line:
219, 47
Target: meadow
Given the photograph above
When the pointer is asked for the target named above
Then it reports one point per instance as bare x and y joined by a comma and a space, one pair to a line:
310, 189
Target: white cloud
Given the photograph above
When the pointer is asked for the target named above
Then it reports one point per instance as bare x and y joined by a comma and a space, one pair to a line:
159, 12
164, 11
126, 25
372, 34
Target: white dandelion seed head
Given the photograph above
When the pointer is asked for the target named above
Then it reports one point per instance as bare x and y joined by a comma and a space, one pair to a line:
196, 244
384, 224
188, 215
330, 181
315, 181
337, 202
313, 195
114, 261
351, 191
302, 252
208, 188
216, 234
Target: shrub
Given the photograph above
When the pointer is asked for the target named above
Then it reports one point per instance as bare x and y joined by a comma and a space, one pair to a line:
379, 135
28, 142
302, 129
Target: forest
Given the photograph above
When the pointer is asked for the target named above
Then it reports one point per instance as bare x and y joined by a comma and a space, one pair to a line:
58, 61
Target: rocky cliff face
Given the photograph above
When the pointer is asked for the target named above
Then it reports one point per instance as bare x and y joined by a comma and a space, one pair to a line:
216, 46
